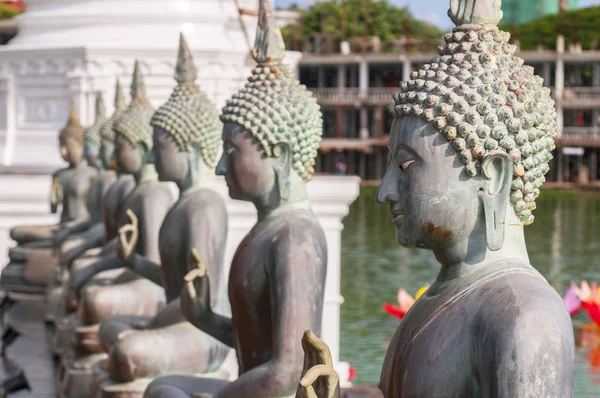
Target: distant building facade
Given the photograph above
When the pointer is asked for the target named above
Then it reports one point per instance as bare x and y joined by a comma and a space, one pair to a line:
519, 11
354, 91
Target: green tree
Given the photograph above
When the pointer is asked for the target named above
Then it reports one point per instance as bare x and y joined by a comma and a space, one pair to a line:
576, 25
344, 19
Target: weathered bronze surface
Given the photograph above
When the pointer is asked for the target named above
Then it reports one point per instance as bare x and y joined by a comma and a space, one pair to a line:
186, 156
70, 185
277, 277
469, 148
103, 287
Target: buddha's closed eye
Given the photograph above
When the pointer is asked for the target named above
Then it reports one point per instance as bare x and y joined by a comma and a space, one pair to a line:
404, 165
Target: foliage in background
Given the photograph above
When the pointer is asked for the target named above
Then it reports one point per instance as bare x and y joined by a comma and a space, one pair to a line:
344, 19
7, 12
576, 25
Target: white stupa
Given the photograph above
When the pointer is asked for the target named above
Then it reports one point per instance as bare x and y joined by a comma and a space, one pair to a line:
67, 50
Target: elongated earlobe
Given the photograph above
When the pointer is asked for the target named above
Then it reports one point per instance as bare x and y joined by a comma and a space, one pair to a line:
497, 171
282, 153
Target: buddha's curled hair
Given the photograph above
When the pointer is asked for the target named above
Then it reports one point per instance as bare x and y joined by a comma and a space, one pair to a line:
481, 98
274, 107
189, 116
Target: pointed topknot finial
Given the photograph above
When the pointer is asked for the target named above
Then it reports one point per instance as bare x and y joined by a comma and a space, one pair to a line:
120, 100
73, 117
100, 107
138, 88
185, 71
269, 47
466, 12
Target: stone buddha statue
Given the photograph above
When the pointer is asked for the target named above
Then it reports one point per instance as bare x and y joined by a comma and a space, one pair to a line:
76, 254
271, 135
33, 260
125, 183
150, 199
469, 147
105, 287
93, 226
187, 136
69, 185
110, 190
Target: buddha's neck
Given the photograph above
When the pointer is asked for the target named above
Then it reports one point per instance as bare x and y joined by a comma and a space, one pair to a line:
75, 165
200, 177
473, 254
146, 173
275, 205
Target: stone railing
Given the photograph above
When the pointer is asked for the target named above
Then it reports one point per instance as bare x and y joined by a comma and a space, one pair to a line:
579, 96
581, 132
354, 95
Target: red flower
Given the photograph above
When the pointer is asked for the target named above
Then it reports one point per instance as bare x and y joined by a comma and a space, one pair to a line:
351, 373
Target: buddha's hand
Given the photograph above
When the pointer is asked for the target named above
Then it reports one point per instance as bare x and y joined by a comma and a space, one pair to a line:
586, 293
128, 237
319, 378
195, 297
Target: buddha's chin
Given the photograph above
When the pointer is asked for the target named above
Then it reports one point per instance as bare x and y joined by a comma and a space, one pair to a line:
402, 239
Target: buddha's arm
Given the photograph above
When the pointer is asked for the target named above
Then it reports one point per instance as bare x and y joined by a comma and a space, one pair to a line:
93, 237
296, 305
80, 277
155, 207
529, 355
70, 228
147, 268
195, 306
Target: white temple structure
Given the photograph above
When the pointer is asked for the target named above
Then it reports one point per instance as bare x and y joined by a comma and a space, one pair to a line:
67, 50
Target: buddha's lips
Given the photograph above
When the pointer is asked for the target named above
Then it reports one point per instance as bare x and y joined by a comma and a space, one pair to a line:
397, 215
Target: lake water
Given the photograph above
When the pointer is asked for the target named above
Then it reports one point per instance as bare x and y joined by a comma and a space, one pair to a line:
563, 244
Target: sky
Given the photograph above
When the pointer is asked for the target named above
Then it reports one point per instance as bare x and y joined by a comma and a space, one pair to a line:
433, 11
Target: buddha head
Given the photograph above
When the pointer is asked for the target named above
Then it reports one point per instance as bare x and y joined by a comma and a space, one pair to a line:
71, 139
92, 134
471, 140
187, 130
133, 139
107, 131
272, 126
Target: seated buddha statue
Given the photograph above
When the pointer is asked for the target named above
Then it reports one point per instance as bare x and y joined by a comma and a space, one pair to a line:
187, 136
69, 185
271, 135
121, 291
77, 253
469, 147
33, 260
92, 227
107, 193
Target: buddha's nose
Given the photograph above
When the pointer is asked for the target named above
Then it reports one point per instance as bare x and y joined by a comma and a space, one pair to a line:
387, 192
221, 168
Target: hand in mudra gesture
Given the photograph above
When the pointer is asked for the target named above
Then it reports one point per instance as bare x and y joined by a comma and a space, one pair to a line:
128, 237
319, 378
195, 297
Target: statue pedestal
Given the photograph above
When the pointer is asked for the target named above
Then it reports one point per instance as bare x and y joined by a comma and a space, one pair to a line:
24, 200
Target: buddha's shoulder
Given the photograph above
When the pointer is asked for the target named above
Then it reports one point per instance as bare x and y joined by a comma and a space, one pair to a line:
208, 198
523, 296
62, 173
155, 189
300, 225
